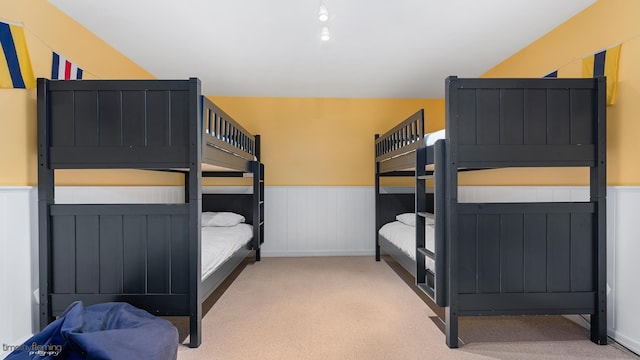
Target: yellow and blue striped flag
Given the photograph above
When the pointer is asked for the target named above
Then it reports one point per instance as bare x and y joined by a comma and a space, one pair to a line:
15, 65
604, 63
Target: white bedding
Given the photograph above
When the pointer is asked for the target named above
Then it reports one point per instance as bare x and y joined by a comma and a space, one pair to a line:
431, 138
404, 237
220, 242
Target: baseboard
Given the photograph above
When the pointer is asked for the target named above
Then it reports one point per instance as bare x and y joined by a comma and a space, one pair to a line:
316, 253
631, 344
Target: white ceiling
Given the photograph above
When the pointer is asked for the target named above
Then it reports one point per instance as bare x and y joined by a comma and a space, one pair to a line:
378, 49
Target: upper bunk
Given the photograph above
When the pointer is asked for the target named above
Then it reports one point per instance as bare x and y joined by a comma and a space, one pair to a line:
138, 124
510, 122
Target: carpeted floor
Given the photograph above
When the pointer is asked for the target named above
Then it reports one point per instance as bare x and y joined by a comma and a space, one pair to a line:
357, 308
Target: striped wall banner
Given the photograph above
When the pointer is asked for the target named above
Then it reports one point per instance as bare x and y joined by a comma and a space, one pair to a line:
15, 64
63, 69
604, 63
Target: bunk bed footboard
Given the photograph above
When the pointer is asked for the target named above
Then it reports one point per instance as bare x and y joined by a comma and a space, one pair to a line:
525, 259
138, 253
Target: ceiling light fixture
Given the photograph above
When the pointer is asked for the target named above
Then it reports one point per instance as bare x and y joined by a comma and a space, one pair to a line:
324, 34
323, 14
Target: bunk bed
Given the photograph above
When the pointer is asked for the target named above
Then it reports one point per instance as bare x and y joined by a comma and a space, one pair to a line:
503, 258
148, 255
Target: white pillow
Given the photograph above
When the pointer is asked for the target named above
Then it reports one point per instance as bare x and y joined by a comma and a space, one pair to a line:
207, 218
225, 219
410, 219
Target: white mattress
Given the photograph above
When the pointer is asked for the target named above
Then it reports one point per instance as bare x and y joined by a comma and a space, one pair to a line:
404, 237
431, 138
220, 242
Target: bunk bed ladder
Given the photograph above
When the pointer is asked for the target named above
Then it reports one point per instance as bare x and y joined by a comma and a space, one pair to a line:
421, 213
257, 169
377, 196
427, 279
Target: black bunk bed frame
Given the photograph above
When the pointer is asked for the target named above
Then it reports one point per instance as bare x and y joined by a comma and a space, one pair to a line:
504, 258
145, 254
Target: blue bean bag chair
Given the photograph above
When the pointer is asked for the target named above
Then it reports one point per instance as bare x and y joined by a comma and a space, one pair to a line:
103, 331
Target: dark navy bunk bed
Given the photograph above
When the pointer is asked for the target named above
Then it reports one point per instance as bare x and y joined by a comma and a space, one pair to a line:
148, 255
503, 258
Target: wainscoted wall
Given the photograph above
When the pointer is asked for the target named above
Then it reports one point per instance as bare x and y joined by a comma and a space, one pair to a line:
322, 220
18, 264
623, 267
308, 221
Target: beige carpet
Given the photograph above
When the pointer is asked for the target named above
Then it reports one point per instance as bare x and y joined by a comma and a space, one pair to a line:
357, 308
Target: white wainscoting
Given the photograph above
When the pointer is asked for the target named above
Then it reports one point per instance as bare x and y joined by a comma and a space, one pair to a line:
310, 221
319, 221
623, 265
18, 264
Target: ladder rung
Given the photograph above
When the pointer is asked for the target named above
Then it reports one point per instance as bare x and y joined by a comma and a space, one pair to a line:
426, 252
427, 290
429, 272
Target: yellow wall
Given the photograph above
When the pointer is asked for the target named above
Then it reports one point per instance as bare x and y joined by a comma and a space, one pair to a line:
317, 141
47, 28
605, 23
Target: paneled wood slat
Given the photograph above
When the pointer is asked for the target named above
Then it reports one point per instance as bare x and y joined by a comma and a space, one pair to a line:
134, 260
86, 118
63, 229
158, 253
487, 120
512, 116
488, 253
110, 118
511, 253
157, 119
87, 243
535, 253
111, 254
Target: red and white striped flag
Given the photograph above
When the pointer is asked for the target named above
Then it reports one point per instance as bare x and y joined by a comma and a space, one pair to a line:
63, 69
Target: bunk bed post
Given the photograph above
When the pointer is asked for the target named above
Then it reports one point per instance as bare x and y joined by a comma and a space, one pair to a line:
257, 196
421, 207
377, 195
194, 191
450, 212
439, 205
257, 147
261, 203
598, 191
46, 197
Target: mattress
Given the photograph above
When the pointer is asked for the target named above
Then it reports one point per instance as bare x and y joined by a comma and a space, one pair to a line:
404, 237
432, 137
220, 242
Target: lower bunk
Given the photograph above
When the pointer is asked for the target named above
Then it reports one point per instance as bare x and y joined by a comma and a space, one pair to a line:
140, 254
512, 259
